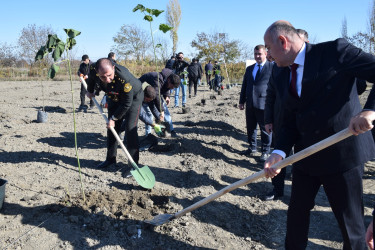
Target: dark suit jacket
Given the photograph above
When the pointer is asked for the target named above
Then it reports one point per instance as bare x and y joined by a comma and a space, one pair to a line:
328, 101
274, 108
253, 92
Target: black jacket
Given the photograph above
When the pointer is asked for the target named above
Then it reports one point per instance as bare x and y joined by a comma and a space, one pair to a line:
121, 92
179, 67
328, 101
152, 79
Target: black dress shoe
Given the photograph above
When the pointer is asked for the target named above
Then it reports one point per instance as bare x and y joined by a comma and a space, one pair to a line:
106, 163
273, 196
248, 152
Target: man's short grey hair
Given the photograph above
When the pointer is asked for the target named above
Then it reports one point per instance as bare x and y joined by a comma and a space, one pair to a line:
282, 28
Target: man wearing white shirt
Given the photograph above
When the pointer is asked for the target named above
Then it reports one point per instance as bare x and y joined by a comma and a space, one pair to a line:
253, 93
320, 99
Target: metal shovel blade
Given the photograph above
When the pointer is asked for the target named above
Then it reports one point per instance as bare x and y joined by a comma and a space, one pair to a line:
160, 219
143, 176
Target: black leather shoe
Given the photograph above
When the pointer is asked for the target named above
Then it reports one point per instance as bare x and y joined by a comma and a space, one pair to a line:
106, 164
272, 196
248, 152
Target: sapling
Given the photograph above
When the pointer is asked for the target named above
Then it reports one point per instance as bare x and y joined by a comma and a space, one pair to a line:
148, 16
57, 47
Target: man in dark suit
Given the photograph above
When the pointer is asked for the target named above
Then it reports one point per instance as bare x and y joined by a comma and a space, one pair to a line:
321, 100
272, 119
253, 93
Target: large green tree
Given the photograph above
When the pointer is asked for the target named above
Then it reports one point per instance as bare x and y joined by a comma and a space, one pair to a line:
173, 20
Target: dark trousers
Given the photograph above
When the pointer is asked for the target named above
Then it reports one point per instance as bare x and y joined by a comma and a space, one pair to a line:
192, 82
344, 193
208, 78
82, 96
255, 116
131, 123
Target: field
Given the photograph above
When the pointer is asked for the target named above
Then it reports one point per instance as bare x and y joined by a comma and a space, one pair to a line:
44, 208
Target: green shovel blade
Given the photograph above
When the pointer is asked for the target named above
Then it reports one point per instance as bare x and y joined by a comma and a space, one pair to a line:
143, 176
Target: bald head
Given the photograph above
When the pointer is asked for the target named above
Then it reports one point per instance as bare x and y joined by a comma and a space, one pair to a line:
282, 42
282, 27
105, 69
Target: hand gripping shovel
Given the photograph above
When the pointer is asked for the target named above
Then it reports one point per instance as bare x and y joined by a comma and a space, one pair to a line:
143, 175
163, 218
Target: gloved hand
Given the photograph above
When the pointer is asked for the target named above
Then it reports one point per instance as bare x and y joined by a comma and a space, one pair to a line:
158, 129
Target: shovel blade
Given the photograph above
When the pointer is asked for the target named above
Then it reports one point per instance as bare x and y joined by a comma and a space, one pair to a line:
160, 219
144, 177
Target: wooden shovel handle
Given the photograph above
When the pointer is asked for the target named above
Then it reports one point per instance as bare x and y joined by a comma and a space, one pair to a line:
287, 161
118, 139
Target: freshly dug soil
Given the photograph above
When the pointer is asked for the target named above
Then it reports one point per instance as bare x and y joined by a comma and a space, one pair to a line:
45, 208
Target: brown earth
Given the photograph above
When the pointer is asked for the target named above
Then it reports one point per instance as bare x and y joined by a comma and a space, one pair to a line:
44, 208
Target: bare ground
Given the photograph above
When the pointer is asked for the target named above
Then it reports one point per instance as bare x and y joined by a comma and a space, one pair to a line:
44, 207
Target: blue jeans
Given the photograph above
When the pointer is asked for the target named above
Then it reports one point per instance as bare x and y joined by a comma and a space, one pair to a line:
177, 92
167, 117
150, 115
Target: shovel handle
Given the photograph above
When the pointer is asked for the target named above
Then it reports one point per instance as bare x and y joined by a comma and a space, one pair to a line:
134, 165
287, 161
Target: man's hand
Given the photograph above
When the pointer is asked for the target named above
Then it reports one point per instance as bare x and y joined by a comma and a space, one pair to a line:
273, 159
90, 95
167, 100
241, 106
369, 236
161, 117
86, 76
269, 127
362, 122
111, 123
158, 129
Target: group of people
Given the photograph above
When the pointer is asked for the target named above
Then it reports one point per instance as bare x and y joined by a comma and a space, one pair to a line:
301, 95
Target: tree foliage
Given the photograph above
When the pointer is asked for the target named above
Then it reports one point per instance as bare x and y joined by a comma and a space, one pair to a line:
8, 57
173, 20
366, 40
31, 39
215, 46
132, 42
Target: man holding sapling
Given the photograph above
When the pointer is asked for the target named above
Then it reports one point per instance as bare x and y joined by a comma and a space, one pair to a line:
124, 96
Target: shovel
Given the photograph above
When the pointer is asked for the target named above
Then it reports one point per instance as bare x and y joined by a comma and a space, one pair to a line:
143, 175
163, 218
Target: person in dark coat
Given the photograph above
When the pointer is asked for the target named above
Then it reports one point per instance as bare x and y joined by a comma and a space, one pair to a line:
170, 62
272, 119
193, 75
163, 82
124, 96
321, 100
84, 70
208, 70
179, 68
253, 93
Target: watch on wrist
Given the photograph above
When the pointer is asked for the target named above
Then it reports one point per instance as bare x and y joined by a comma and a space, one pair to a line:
113, 118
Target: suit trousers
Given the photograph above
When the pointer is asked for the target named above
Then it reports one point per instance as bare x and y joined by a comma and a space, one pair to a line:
131, 139
344, 193
193, 82
255, 116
